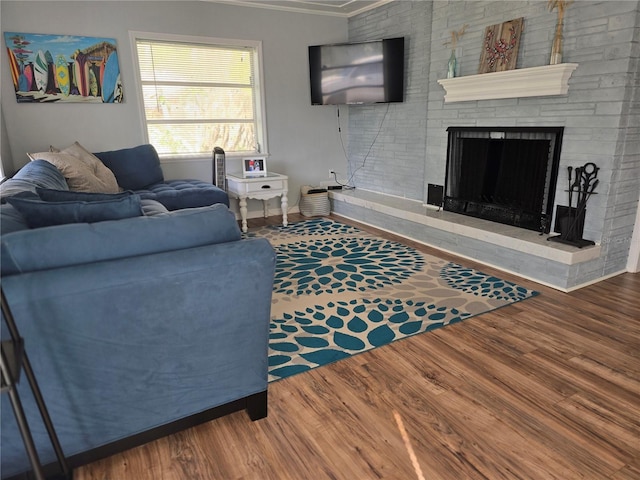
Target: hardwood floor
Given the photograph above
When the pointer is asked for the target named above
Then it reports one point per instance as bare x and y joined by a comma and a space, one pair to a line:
548, 388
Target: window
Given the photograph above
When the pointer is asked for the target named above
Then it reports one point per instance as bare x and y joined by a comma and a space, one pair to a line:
199, 93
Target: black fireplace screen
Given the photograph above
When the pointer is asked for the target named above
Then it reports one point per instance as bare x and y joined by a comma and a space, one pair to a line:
503, 174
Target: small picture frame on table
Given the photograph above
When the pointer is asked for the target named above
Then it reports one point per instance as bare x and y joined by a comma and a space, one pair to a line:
255, 166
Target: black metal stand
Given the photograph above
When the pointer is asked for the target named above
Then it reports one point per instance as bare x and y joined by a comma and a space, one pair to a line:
570, 220
13, 358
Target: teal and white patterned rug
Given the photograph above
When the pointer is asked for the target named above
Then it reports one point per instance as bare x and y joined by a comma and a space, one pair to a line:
340, 291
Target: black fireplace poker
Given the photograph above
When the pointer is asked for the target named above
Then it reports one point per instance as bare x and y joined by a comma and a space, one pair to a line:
570, 220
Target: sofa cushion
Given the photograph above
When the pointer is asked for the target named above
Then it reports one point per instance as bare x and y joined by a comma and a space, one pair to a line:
11, 220
82, 243
134, 168
38, 173
51, 195
39, 213
80, 175
178, 194
149, 207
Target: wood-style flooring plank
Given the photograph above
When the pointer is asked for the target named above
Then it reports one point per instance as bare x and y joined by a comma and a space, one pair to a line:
548, 388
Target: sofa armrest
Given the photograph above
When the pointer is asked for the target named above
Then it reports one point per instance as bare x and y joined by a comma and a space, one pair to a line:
37, 173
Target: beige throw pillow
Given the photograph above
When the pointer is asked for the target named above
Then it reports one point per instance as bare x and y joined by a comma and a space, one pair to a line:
83, 171
100, 169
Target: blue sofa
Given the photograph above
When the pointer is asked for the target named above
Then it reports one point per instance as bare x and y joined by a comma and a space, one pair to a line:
138, 169
135, 327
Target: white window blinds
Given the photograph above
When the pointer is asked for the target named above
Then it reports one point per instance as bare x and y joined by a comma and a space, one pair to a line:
198, 96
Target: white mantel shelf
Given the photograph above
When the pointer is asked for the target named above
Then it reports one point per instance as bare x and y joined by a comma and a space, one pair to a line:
523, 82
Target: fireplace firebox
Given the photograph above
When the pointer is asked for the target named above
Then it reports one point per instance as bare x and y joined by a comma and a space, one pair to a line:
503, 174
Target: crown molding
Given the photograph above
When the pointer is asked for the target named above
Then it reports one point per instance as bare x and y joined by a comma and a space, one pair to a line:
344, 8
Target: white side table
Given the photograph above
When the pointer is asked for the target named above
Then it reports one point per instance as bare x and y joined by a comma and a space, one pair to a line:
259, 188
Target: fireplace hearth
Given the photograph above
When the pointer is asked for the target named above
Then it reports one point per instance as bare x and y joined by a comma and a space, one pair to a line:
503, 174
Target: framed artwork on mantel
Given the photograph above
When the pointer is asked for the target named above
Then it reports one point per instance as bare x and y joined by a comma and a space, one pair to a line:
500, 46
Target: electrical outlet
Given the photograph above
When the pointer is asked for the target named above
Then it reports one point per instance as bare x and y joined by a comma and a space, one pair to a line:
332, 173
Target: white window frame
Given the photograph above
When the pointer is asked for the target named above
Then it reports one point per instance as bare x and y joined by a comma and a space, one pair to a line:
261, 123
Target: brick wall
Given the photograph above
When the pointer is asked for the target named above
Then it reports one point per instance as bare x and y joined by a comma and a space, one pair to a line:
387, 142
600, 114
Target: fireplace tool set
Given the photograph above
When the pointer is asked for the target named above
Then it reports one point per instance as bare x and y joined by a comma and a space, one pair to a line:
570, 220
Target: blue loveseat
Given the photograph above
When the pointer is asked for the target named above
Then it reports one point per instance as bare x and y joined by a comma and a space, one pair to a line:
135, 327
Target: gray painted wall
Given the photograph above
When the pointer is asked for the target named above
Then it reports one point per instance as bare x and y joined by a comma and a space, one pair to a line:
5, 151
303, 139
600, 114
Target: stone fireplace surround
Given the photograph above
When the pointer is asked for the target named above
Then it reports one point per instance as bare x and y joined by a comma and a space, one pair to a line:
468, 237
596, 111
512, 249
508, 248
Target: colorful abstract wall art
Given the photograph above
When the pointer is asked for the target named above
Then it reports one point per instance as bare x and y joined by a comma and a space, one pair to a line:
64, 68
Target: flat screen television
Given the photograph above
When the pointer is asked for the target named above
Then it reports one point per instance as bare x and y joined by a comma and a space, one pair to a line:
357, 73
